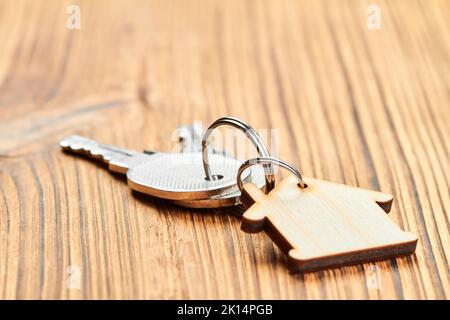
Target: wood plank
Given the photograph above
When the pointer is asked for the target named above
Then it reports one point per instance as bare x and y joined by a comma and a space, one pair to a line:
368, 108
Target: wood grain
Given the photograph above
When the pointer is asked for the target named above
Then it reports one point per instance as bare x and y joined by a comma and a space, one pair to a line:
368, 108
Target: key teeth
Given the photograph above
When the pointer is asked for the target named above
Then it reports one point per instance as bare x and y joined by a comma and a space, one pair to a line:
96, 152
77, 143
80, 144
105, 153
67, 141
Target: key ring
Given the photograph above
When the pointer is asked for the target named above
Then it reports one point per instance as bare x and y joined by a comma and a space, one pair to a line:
251, 134
269, 160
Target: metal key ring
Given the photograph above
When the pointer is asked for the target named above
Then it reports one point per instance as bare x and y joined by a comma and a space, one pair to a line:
251, 134
269, 160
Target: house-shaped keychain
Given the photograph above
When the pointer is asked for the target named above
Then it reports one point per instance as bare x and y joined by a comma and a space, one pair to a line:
320, 224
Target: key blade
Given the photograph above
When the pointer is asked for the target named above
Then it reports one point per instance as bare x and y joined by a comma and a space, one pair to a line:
118, 159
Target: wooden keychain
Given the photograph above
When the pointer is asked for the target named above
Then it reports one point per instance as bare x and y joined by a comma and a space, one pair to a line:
321, 224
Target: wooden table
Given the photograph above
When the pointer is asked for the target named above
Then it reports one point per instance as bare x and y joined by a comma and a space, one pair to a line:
365, 107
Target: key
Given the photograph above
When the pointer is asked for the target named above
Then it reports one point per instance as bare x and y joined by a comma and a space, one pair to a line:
118, 159
180, 176
175, 176
230, 199
190, 137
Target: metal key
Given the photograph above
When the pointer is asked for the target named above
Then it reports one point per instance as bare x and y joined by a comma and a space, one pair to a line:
166, 175
118, 159
180, 176
232, 198
190, 137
